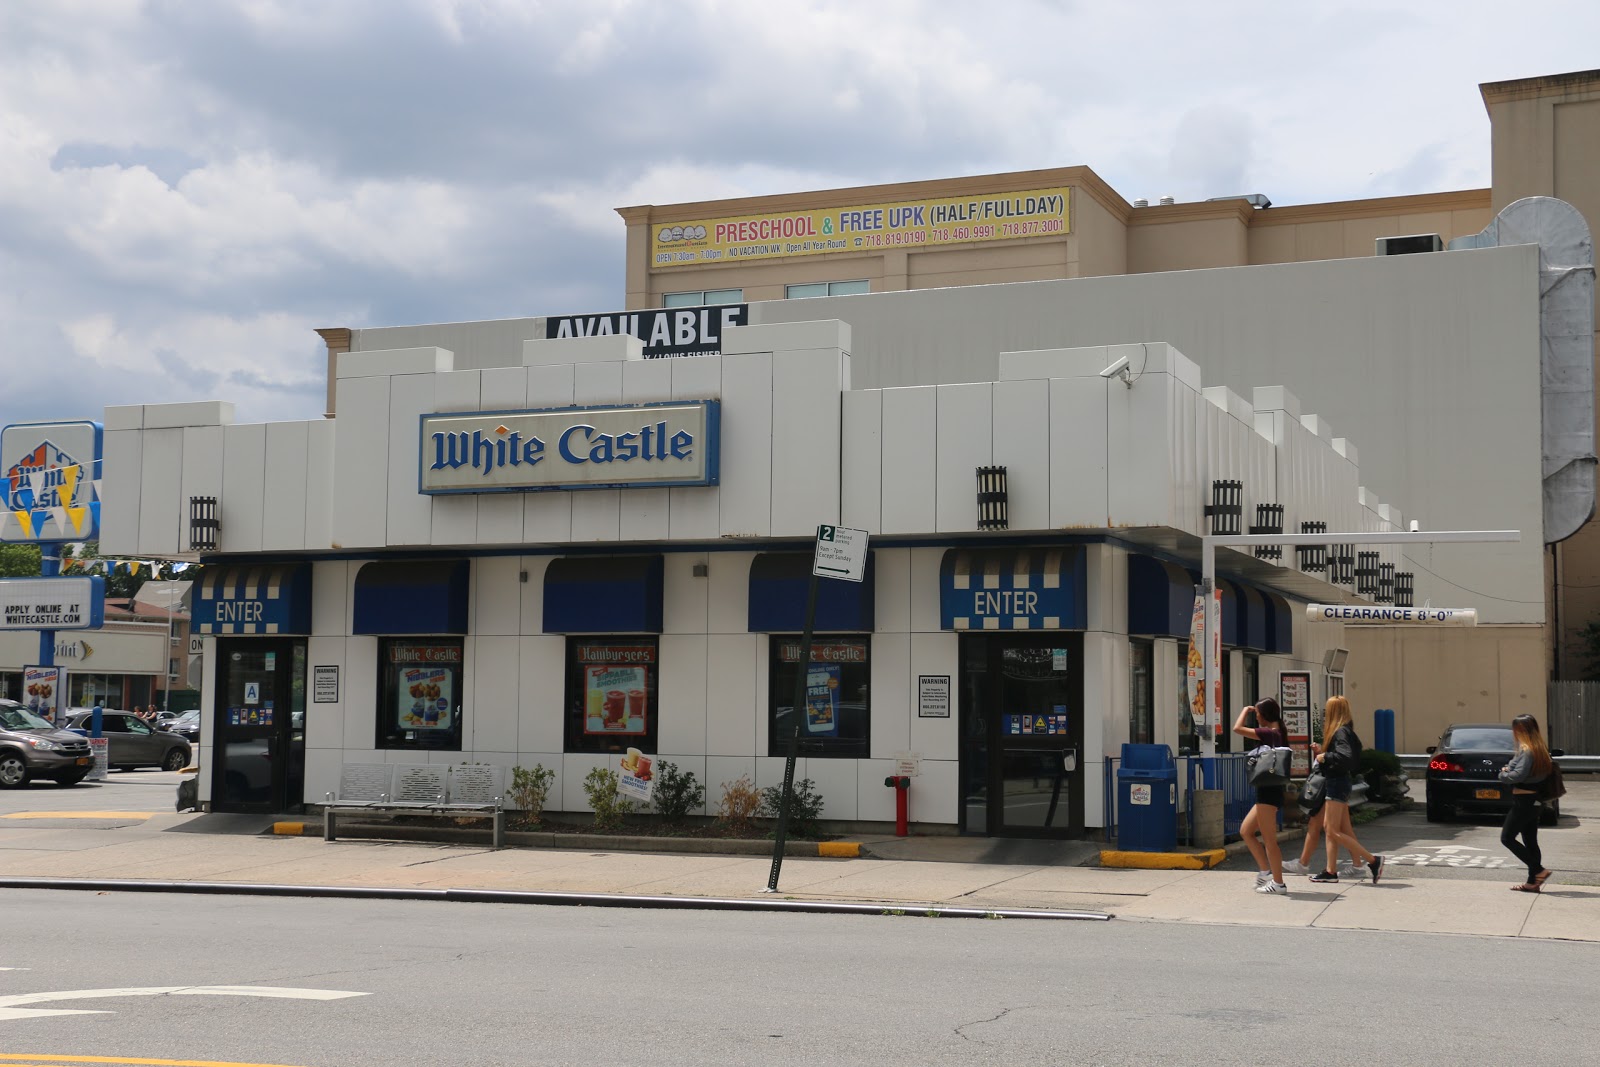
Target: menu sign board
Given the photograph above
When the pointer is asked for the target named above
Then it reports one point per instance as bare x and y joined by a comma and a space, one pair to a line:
1294, 698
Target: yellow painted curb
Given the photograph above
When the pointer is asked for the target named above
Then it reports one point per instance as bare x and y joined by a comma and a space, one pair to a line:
1164, 861
289, 828
840, 849
78, 815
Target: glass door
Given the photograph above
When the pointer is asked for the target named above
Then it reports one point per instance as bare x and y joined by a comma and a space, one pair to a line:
1022, 731
258, 726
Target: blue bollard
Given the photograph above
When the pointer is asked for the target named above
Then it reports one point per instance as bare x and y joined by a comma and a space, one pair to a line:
1383, 729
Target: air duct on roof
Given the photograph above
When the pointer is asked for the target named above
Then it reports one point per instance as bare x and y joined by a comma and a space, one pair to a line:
1254, 199
1566, 349
1141, 202
1168, 200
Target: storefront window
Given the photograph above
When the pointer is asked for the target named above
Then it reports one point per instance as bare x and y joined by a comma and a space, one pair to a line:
611, 693
1141, 692
838, 713
419, 692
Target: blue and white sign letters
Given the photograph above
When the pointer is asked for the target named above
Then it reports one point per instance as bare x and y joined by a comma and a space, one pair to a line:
570, 448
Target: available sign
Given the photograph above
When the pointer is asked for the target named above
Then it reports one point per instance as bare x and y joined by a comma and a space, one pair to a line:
570, 448
52, 603
693, 331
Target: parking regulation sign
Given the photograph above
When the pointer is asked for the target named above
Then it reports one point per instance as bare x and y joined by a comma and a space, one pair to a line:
841, 553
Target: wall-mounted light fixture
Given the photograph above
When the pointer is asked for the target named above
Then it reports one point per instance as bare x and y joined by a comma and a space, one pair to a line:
1405, 589
1342, 564
1386, 583
701, 570
1313, 558
203, 525
993, 505
1269, 520
1227, 506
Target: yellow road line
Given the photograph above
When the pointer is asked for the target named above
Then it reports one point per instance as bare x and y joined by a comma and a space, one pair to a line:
37, 1060
78, 815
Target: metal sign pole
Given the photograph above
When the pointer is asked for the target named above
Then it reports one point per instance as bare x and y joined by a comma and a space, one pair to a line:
802, 668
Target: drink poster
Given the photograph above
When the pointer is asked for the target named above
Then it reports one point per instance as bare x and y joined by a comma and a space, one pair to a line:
616, 699
425, 698
822, 700
41, 690
1197, 665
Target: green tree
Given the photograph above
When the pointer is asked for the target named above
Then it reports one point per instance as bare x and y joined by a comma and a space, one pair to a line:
19, 561
121, 585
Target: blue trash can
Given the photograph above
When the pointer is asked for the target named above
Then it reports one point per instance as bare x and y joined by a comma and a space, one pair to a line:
1147, 799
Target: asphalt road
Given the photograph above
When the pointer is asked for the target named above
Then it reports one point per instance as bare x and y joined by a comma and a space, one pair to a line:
447, 985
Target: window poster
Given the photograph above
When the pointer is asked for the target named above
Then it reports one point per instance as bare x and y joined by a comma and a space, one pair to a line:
822, 700
425, 698
42, 686
616, 688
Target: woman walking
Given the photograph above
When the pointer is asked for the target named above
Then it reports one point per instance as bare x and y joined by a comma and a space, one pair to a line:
1341, 758
1263, 817
1525, 773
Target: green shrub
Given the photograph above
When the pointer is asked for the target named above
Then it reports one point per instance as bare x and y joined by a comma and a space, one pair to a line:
1384, 777
739, 805
608, 805
530, 789
805, 806
677, 793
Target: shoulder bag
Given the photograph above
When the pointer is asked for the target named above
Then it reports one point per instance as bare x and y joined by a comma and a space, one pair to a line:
1314, 792
1269, 766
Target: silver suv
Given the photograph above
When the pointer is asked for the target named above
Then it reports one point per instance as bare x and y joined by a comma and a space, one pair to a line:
31, 748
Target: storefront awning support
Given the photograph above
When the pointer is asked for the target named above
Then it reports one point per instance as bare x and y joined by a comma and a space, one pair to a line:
1209, 544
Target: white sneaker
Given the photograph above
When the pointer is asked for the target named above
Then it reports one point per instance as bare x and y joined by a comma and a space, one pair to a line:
1272, 888
1295, 867
1348, 869
1262, 878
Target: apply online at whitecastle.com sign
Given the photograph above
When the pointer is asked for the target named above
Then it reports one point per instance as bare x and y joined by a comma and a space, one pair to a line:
570, 448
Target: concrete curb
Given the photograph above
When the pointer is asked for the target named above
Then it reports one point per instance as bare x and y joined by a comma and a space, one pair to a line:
712, 846
1205, 859
589, 900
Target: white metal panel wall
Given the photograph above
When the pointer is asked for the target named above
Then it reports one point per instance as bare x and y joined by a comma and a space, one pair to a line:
966, 442
1083, 409
283, 523
861, 477
910, 436
1146, 424
319, 484
361, 463
244, 472
891, 694
161, 475
806, 386
597, 513
937, 654
453, 517
1022, 435
746, 492
500, 514
547, 516
695, 512
643, 512
202, 472
410, 512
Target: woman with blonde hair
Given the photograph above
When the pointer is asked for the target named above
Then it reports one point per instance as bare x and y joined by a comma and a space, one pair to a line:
1340, 759
1526, 773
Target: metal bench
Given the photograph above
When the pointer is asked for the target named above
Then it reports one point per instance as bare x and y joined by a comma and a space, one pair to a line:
463, 790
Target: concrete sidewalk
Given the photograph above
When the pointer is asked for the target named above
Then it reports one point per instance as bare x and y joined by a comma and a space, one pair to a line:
146, 849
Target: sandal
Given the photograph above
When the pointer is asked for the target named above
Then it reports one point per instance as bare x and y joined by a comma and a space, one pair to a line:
1526, 888
1542, 877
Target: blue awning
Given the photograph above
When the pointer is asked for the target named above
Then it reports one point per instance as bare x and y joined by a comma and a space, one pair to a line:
1253, 621
256, 601
1014, 589
412, 597
1160, 597
778, 586
603, 595
1279, 625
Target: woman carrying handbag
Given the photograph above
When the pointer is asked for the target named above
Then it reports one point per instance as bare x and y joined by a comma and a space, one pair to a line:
1526, 774
1341, 758
1263, 817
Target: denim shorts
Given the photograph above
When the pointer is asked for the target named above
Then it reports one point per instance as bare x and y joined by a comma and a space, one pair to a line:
1339, 788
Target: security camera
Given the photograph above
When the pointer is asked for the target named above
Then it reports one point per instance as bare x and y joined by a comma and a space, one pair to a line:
1112, 371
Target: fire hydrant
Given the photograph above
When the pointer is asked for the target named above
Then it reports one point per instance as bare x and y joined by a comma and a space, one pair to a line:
900, 784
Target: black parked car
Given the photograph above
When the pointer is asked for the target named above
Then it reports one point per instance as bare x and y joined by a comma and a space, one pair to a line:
186, 726
1464, 772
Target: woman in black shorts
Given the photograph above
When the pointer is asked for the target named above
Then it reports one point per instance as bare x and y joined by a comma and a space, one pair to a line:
1263, 817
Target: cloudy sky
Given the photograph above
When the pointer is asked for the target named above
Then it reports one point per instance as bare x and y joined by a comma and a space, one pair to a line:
188, 188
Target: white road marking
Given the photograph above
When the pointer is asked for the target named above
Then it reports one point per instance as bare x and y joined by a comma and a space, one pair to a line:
1445, 850
11, 1006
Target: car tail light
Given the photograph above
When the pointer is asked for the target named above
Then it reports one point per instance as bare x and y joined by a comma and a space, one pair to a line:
1440, 764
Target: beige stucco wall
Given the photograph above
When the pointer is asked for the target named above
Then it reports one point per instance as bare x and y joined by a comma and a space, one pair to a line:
1433, 677
1345, 230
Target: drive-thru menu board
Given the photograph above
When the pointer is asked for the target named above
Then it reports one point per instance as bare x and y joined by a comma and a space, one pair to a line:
1294, 697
